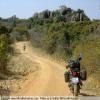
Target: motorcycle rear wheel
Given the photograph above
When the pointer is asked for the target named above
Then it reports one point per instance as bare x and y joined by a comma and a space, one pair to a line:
75, 90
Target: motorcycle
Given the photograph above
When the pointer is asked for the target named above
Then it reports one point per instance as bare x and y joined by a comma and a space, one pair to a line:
74, 76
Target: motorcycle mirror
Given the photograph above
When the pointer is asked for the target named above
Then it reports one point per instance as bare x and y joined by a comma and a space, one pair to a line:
80, 56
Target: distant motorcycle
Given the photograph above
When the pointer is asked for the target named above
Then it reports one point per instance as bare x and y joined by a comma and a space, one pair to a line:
24, 47
74, 76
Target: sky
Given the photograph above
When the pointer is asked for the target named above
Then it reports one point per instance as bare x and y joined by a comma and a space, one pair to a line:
26, 8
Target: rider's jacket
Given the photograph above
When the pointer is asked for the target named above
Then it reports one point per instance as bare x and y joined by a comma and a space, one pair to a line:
74, 64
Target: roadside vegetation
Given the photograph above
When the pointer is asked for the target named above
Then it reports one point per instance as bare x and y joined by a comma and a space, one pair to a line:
5, 48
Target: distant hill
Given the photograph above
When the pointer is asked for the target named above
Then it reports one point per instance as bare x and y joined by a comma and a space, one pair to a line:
62, 14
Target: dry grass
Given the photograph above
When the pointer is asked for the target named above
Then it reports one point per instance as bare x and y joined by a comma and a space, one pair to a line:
21, 65
90, 47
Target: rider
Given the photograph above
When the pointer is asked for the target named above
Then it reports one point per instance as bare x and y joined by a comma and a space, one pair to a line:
24, 47
74, 64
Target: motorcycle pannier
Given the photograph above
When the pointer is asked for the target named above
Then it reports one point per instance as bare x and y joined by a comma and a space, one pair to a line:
83, 75
66, 76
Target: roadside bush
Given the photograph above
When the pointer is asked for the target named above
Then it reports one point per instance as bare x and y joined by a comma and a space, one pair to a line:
5, 42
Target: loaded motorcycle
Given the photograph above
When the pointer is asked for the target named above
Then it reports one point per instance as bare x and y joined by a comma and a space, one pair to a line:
74, 76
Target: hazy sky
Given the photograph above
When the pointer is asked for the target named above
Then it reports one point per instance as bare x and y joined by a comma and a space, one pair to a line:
26, 8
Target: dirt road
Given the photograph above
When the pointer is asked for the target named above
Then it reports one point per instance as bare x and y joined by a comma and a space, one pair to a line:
47, 81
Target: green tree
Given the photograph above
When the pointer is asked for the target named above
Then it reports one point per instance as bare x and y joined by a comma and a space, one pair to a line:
5, 48
24, 35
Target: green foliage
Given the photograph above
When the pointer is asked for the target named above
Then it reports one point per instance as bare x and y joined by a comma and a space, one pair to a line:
63, 35
56, 30
4, 48
23, 33
3, 29
3, 51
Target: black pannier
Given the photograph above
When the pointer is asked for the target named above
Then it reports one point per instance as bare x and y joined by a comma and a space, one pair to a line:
83, 75
66, 76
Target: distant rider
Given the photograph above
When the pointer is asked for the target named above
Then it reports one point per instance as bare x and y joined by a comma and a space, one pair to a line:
24, 47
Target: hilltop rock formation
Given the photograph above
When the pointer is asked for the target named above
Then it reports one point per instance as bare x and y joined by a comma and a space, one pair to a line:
65, 13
